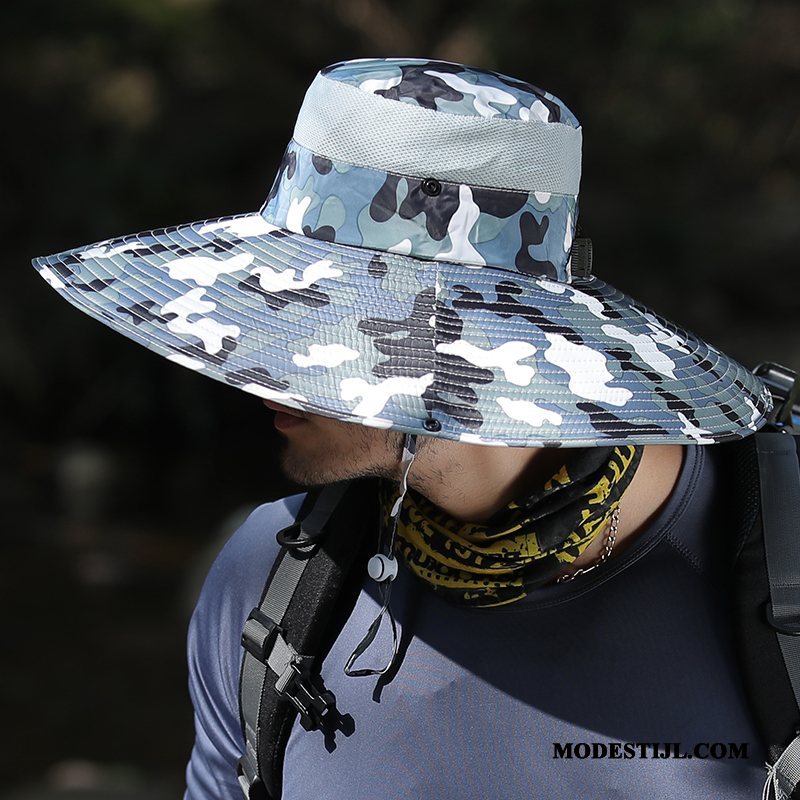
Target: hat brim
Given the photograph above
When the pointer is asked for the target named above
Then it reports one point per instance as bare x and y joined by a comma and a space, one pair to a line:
387, 340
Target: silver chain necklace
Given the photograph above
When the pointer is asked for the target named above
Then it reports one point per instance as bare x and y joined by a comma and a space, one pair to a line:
608, 546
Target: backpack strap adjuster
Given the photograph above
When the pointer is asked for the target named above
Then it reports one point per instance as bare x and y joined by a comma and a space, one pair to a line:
259, 634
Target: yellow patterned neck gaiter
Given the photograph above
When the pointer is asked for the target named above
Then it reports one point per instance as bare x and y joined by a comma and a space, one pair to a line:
523, 545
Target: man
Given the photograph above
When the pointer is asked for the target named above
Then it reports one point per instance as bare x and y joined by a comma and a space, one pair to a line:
412, 303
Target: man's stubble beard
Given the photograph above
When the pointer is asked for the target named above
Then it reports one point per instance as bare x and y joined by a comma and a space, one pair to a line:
370, 453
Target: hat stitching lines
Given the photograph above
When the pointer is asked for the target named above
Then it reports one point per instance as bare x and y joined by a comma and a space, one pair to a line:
168, 349
357, 267
180, 242
695, 351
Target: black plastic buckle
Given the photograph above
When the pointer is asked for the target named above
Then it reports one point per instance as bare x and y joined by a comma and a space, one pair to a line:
309, 696
261, 649
785, 390
788, 628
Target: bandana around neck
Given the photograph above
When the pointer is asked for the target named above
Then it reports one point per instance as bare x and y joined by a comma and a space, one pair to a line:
523, 545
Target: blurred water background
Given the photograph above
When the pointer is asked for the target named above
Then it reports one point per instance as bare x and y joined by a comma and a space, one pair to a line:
120, 472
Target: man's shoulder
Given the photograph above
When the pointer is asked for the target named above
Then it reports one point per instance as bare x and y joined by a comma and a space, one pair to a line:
265, 520
235, 580
253, 546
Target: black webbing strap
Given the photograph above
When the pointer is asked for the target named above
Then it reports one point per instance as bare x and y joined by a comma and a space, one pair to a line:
779, 478
285, 638
779, 474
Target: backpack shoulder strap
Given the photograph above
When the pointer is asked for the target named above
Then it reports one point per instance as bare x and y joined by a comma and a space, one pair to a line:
779, 478
287, 635
767, 577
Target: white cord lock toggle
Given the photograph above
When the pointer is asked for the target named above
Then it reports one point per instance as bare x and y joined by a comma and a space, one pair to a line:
382, 568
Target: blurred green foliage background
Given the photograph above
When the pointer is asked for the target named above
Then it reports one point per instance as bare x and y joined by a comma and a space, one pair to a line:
120, 471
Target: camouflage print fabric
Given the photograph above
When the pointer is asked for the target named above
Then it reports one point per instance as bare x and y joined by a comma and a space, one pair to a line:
338, 202
389, 341
454, 314
452, 88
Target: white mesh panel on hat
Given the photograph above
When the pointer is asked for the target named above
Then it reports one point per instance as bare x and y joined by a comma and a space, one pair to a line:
345, 123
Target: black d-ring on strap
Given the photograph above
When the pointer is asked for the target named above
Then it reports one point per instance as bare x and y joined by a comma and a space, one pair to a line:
295, 537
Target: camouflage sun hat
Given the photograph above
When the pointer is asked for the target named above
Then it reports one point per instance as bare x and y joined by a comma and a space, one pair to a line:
414, 267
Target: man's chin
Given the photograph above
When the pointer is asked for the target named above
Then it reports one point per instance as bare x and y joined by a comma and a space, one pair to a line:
307, 471
306, 481
299, 473
315, 461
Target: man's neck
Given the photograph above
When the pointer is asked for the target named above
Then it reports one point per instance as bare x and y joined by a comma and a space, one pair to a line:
647, 494
472, 482
473, 488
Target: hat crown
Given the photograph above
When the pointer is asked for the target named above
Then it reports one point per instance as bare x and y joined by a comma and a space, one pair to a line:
433, 160
452, 88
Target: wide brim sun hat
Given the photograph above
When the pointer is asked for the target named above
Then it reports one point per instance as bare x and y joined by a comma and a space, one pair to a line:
415, 268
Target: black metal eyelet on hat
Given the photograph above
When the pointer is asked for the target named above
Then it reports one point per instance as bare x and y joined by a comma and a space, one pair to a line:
432, 425
431, 187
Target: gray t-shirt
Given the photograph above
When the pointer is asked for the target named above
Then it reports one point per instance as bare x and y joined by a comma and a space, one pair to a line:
635, 652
